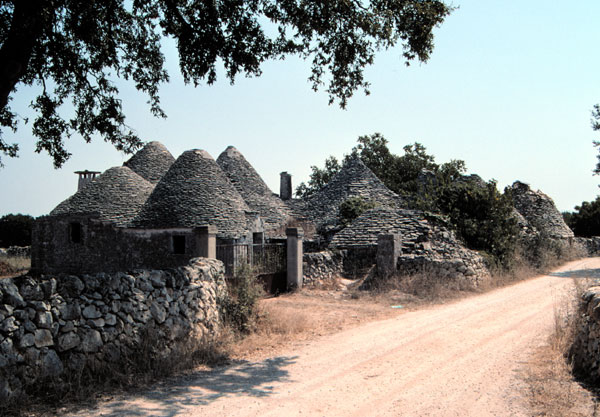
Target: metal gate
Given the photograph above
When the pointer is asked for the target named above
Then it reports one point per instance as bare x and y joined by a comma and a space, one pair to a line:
266, 259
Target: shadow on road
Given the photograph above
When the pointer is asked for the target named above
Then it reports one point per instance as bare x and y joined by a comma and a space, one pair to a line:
578, 273
253, 379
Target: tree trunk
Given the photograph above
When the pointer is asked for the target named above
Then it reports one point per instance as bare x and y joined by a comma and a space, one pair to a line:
25, 31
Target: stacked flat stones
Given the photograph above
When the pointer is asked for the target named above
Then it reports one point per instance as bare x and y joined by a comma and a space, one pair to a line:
355, 179
51, 324
117, 195
363, 231
194, 192
539, 211
151, 162
425, 243
253, 190
585, 351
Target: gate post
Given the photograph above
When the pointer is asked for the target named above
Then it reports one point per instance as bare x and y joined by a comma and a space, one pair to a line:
388, 251
206, 241
294, 257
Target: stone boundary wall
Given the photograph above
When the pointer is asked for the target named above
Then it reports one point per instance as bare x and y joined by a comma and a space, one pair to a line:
591, 245
52, 325
467, 271
20, 251
585, 351
322, 266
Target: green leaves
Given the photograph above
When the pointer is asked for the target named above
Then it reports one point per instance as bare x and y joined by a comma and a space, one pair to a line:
353, 207
585, 220
318, 178
76, 49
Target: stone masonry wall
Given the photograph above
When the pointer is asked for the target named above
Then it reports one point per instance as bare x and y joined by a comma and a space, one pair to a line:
103, 247
55, 324
322, 266
585, 352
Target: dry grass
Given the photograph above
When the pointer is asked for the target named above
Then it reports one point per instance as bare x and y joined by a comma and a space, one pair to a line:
14, 265
144, 366
306, 315
552, 389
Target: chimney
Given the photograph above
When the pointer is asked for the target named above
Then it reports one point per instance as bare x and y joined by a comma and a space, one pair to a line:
85, 177
285, 186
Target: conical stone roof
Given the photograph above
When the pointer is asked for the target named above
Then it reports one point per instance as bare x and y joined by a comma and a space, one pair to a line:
253, 189
355, 179
195, 192
539, 211
151, 162
117, 195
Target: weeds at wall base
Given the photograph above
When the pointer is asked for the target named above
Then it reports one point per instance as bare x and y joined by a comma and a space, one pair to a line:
145, 364
552, 389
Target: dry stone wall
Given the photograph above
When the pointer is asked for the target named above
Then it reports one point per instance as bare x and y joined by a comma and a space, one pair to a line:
53, 325
320, 267
585, 351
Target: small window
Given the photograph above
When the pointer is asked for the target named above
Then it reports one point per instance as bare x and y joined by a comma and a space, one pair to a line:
75, 232
179, 245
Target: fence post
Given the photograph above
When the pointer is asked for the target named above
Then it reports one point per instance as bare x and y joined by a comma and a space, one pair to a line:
294, 257
388, 251
206, 240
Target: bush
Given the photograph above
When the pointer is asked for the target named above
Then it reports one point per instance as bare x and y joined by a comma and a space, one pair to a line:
585, 221
353, 208
239, 307
15, 230
483, 218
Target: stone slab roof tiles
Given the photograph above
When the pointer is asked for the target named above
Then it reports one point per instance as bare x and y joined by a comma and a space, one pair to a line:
253, 189
194, 192
421, 236
117, 195
363, 231
539, 211
355, 179
151, 162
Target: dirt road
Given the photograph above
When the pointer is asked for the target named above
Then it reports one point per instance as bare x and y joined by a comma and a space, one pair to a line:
459, 359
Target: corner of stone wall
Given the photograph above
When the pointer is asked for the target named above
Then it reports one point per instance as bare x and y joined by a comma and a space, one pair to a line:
51, 325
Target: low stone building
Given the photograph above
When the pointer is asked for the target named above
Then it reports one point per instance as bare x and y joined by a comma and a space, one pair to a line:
426, 244
121, 221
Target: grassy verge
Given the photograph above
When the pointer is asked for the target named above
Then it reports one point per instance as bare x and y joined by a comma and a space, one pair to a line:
13, 265
552, 389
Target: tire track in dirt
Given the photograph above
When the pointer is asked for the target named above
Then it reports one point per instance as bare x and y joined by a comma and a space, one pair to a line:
459, 359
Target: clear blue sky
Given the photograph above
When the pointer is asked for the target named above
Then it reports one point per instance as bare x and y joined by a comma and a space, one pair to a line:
509, 89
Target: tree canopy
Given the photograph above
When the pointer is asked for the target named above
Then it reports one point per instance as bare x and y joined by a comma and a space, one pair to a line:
481, 215
75, 50
596, 126
15, 230
585, 220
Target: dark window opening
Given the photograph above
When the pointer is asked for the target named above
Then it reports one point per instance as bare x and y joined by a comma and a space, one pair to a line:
75, 232
179, 245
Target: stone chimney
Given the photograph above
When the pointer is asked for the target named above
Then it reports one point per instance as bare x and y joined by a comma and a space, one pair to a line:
285, 186
85, 177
